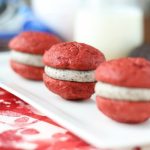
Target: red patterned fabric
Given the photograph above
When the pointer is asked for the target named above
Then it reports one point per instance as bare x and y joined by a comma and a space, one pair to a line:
23, 127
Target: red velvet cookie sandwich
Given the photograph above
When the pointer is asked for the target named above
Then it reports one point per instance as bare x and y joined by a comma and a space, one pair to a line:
123, 89
26, 53
69, 70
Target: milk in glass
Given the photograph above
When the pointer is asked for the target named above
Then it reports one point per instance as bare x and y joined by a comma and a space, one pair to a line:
113, 26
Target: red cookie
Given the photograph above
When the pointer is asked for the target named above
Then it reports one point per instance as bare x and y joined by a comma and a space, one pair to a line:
124, 111
29, 72
32, 44
69, 90
72, 56
128, 74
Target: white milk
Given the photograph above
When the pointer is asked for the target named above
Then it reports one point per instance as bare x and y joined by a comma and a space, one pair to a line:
115, 31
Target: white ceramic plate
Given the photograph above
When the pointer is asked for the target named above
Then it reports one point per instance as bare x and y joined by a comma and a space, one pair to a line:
81, 118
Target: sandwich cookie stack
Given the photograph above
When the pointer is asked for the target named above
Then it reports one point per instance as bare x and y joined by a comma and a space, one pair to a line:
27, 50
123, 89
69, 69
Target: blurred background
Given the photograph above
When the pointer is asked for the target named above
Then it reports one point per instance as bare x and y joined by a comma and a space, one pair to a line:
116, 27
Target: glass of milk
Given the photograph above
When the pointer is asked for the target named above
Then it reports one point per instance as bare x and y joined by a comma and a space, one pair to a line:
113, 26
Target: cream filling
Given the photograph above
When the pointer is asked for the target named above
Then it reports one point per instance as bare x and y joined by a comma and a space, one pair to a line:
27, 59
122, 93
70, 75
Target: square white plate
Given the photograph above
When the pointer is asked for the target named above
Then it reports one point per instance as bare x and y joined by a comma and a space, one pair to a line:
81, 118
